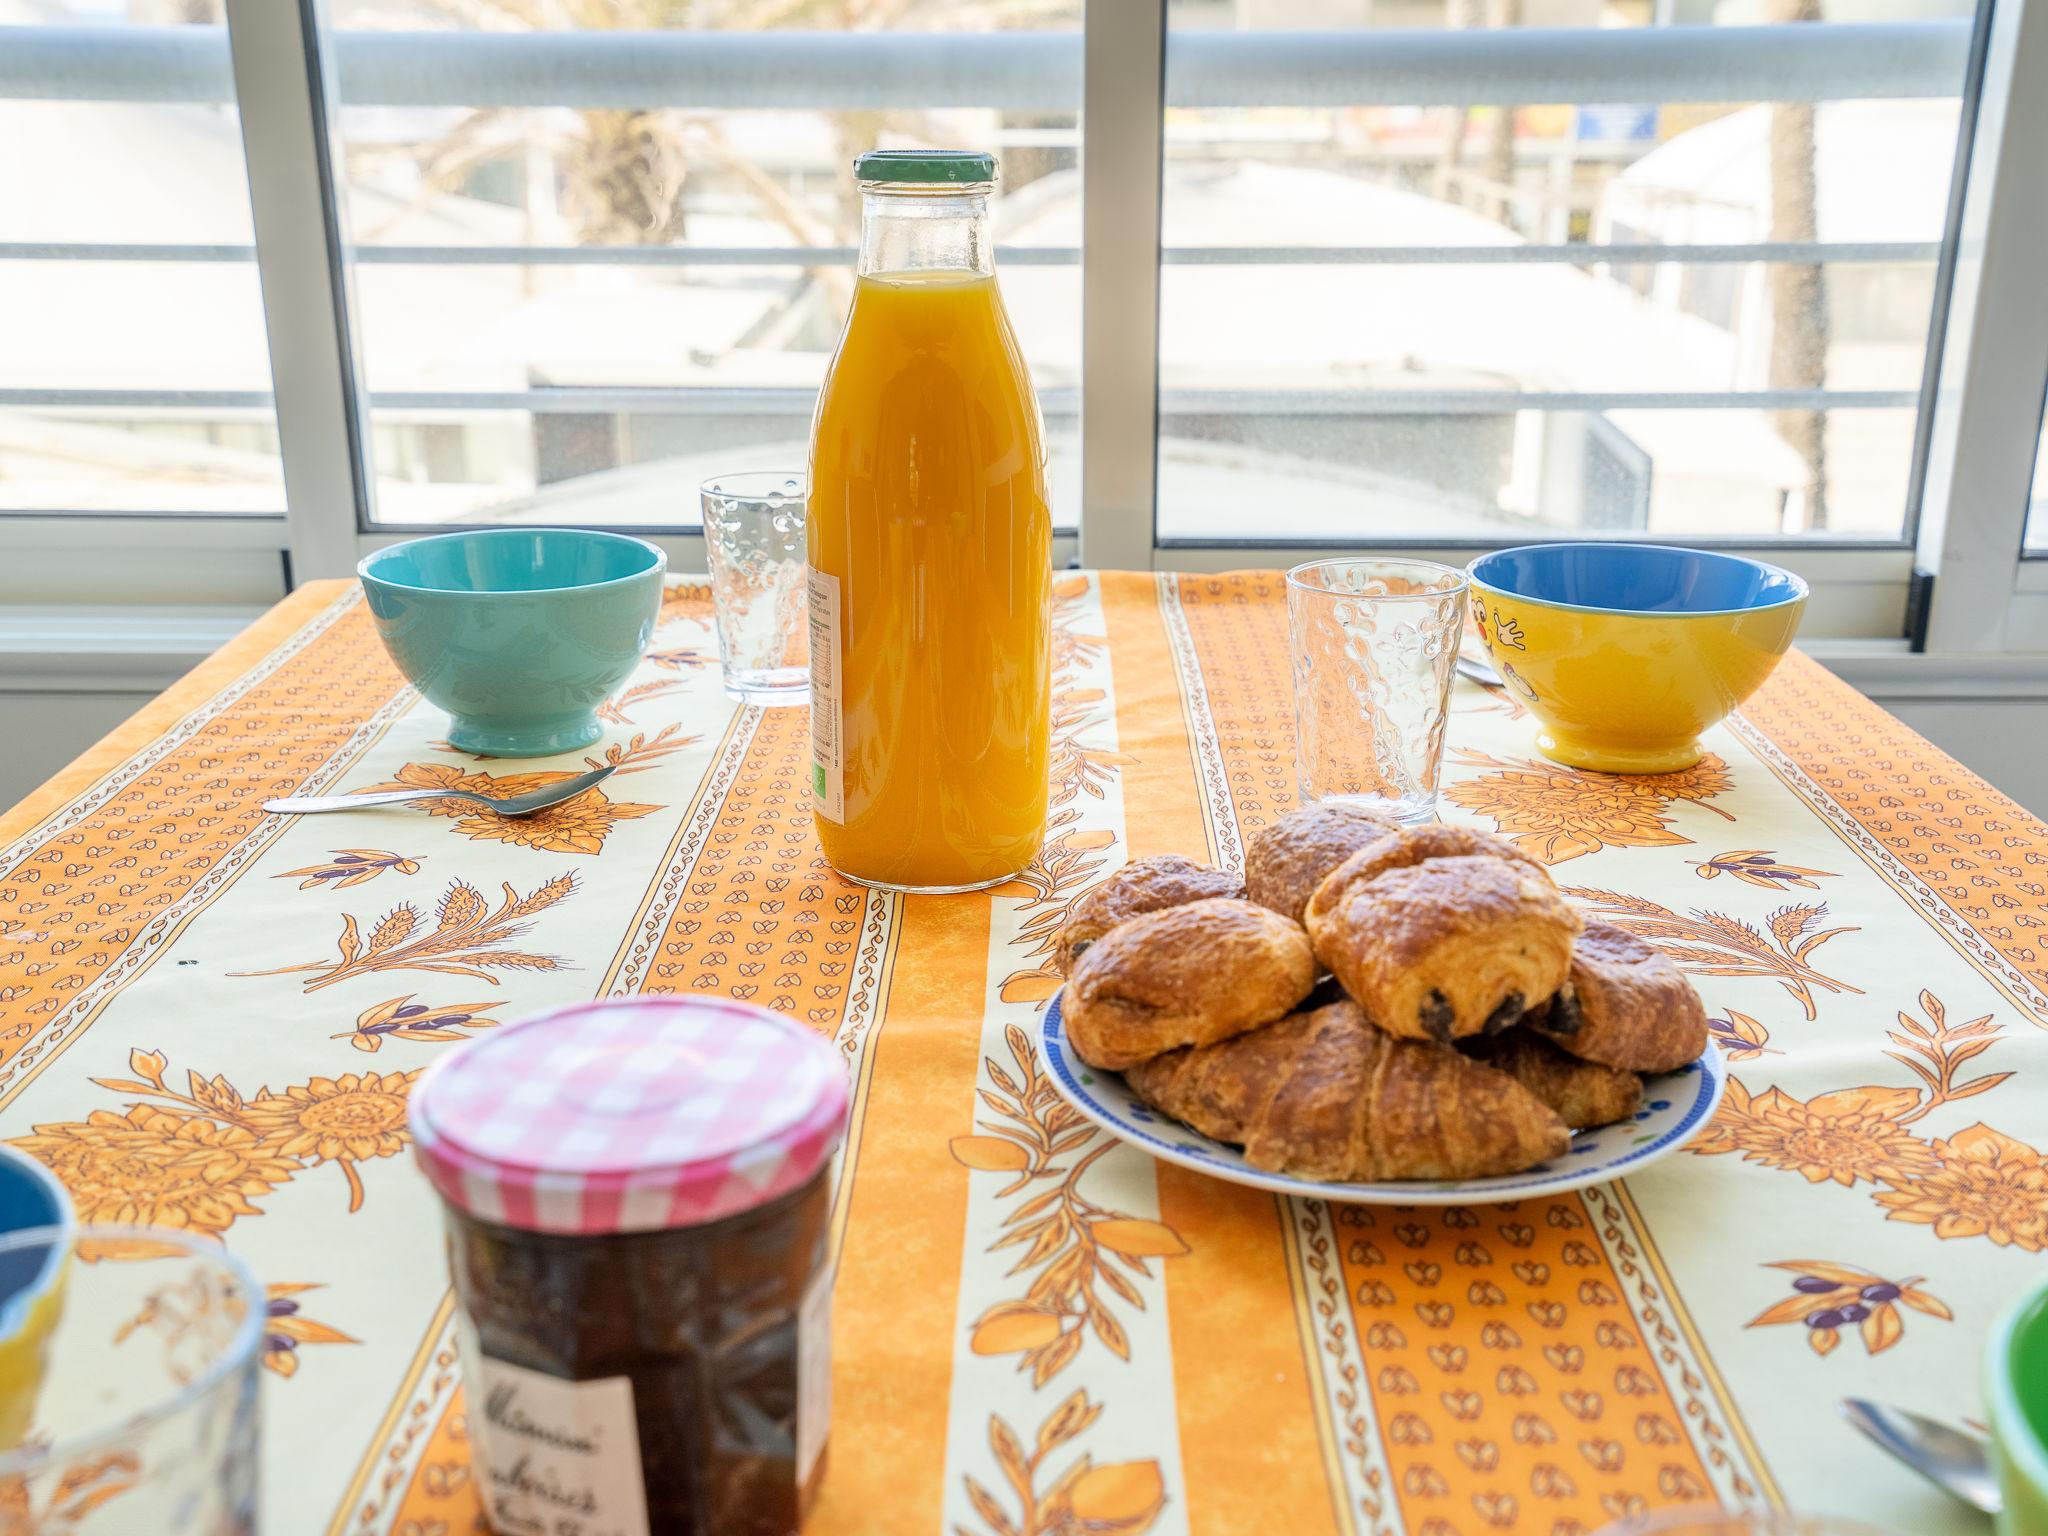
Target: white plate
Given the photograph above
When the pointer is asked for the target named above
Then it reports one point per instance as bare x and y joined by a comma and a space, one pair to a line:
1676, 1108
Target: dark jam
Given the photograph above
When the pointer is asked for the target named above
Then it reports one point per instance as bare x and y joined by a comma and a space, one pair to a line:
703, 1321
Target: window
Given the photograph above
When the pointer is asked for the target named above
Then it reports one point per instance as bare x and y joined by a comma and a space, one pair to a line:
1421, 291
1437, 273
591, 270
134, 375
2037, 496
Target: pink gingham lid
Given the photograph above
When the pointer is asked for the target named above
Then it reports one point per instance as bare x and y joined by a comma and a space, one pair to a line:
634, 1115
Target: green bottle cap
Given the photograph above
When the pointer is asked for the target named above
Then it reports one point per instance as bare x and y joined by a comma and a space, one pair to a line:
925, 167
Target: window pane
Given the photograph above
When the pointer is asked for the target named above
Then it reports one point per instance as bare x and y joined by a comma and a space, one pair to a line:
131, 379
654, 339
1461, 376
2037, 501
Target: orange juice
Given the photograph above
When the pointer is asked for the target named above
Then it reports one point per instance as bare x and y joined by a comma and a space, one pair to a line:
930, 546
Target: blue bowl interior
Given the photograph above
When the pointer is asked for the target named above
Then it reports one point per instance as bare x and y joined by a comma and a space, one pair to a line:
512, 560
1637, 578
29, 1197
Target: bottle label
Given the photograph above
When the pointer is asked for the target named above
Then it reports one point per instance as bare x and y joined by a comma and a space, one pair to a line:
828, 771
553, 1457
813, 1375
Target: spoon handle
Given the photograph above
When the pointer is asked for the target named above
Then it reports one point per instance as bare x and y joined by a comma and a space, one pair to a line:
307, 805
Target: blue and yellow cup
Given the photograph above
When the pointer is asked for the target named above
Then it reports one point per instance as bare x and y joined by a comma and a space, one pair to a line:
2016, 1400
519, 633
1626, 652
32, 1270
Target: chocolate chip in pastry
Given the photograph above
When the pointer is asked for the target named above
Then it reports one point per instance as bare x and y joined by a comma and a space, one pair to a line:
1583, 1094
1627, 1005
1141, 886
1285, 863
1326, 1096
1186, 975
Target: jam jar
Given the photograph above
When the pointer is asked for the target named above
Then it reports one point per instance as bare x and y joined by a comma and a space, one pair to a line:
638, 1209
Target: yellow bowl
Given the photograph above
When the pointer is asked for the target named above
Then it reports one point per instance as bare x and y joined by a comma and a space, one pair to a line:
1626, 652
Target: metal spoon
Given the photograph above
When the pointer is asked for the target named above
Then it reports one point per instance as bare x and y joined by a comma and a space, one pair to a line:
516, 805
1479, 671
1954, 1460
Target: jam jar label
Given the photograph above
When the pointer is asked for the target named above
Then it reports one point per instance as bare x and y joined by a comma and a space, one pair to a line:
557, 1458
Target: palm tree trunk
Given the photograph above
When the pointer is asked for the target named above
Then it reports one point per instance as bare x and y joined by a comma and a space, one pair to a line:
1799, 299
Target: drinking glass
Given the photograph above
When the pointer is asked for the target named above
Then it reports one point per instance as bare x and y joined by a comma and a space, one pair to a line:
754, 536
141, 1401
1373, 643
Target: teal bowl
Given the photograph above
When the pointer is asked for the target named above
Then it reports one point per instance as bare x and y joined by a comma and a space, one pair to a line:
518, 633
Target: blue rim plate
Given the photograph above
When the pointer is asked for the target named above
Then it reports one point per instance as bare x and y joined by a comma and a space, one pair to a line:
1676, 1108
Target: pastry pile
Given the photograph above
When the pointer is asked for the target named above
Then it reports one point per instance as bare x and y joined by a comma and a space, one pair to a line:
1372, 1002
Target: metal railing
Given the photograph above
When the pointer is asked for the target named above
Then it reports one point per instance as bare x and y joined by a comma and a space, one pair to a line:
1023, 72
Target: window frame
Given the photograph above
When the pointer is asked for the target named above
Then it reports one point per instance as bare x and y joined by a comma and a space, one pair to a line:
1971, 520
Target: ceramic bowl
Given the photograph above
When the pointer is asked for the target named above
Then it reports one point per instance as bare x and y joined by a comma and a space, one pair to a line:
31, 1283
519, 633
1626, 652
2016, 1401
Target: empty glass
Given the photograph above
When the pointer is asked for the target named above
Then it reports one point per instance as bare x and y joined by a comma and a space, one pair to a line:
1373, 643
140, 1403
754, 538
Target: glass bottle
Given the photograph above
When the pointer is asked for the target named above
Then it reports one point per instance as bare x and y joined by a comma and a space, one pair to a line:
930, 549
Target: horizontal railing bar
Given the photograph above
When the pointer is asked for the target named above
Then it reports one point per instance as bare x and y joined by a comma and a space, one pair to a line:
1021, 71
725, 400
1803, 253
1065, 401
1535, 65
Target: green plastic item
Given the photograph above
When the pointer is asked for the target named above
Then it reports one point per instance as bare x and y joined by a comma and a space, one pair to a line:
2016, 1393
925, 167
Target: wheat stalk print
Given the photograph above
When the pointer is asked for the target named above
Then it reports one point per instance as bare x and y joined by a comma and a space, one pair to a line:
468, 938
1715, 944
1081, 1244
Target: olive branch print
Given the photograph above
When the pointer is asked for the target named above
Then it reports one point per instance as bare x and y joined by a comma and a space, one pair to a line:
1826, 1298
1115, 1499
643, 751
1080, 1244
467, 938
1715, 944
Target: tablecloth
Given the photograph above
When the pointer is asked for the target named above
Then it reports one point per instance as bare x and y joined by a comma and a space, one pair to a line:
210, 1018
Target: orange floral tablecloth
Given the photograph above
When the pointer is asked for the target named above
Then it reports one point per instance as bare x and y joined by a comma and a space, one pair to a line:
210, 1018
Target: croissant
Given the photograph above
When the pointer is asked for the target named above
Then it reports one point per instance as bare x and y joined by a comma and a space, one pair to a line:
1628, 1005
1141, 886
1442, 932
1284, 864
1582, 1094
1327, 1096
1186, 975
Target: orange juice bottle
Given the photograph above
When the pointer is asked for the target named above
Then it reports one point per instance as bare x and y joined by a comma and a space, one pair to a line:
930, 547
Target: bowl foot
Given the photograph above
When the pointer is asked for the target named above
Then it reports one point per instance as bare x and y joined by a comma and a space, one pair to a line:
1609, 757
522, 741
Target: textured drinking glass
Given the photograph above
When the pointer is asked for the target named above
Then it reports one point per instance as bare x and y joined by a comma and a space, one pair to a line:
1373, 644
754, 535
141, 1405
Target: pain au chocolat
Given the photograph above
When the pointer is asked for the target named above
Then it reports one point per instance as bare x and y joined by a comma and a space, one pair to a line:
1627, 1005
1442, 932
1141, 886
1184, 975
1285, 863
